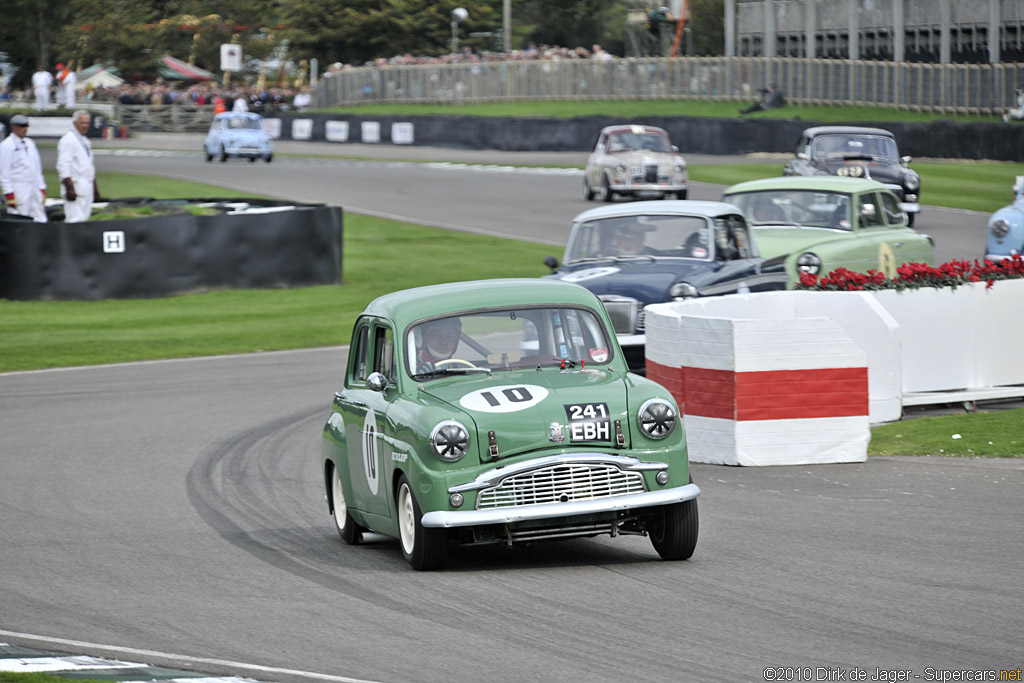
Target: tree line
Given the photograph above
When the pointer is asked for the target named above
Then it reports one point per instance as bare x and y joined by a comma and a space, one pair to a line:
134, 34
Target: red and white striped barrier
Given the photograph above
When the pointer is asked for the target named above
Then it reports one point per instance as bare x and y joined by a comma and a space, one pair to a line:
782, 391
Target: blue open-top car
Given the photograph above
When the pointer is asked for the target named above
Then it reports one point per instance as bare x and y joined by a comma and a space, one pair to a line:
1006, 227
238, 134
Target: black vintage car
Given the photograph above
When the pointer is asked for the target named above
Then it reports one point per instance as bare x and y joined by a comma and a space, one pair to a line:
857, 152
649, 252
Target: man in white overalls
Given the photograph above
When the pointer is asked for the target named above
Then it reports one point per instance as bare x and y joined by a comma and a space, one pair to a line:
41, 82
76, 170
21, 172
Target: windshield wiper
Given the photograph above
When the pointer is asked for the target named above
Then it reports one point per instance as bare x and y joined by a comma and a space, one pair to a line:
461, 370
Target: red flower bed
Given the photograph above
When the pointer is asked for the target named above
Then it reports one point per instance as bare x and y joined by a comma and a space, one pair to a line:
917, 275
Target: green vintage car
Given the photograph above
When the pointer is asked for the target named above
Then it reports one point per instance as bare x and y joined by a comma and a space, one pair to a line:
817, 224
501, 412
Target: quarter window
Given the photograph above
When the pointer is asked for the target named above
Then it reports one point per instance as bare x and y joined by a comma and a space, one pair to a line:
870, 214
894, 214
359, 354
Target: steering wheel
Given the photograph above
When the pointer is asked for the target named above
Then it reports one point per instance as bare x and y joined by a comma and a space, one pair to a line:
453, 361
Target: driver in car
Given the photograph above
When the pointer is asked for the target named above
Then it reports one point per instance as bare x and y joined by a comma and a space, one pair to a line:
439, 340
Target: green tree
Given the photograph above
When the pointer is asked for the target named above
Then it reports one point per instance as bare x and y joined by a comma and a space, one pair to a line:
575, 23
28, 33
707, 26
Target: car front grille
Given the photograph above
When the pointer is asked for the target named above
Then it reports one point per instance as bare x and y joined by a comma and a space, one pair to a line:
626, 314
561, 484
651, 173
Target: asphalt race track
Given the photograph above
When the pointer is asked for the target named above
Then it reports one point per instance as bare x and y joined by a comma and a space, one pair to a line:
175, 508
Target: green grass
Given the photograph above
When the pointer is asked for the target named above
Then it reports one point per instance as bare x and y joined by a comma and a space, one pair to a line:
11, 677
129, 185
994, 434
638, 109
49, 334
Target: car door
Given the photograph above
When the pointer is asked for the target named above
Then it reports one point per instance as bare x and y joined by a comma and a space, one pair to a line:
877, 244
909, 246
364, 413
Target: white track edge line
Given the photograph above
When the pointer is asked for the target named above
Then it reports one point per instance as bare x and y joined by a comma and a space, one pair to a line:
184, 658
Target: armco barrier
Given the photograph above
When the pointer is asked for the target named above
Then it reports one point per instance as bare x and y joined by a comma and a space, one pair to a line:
692, 134
782, 391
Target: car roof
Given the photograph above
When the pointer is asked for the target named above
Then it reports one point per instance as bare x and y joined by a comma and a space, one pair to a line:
632, 128
822, 182
685, 207
238, 115
846, 130
409, 305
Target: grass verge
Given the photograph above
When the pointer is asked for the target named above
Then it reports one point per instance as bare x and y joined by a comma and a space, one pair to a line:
994, 434
639, 109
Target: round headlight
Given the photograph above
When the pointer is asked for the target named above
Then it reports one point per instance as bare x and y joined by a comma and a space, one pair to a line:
449, 441
620, 167
680, 166
808, 263
999, 228
657, 418
681, 291
912, 182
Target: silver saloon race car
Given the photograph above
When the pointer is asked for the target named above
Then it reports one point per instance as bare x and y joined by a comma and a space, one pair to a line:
634, 160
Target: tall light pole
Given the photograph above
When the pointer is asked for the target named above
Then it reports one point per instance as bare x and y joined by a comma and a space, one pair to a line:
459, 14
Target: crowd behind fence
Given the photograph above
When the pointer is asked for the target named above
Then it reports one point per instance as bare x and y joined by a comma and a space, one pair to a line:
985, 89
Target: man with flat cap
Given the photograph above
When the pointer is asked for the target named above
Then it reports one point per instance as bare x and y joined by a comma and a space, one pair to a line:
21, 172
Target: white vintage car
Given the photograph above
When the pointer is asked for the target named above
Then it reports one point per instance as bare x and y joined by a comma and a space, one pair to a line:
634, 160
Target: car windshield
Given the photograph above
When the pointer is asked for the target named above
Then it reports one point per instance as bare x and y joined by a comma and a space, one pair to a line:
641, 236
808, 208
622, 142
506, 339
866, 147
243, 124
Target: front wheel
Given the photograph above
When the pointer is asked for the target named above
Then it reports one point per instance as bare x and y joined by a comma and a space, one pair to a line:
223, 154
209, 157
349, 530
606, 190
674, 532
910, 219
682, 194
588, 192
268, 158
423, 548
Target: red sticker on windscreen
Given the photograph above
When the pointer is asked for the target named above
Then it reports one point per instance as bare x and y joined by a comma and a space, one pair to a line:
599, 355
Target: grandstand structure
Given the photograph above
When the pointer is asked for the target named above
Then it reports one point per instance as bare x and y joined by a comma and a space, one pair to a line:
935, 31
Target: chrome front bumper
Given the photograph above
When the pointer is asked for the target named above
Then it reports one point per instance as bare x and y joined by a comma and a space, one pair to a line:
510, 515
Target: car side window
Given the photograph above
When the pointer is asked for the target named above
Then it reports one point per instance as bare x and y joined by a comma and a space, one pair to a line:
384, 352
894, 214
870, 213
357, 371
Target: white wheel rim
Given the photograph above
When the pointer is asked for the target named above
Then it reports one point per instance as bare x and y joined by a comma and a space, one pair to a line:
406, 519
340, 507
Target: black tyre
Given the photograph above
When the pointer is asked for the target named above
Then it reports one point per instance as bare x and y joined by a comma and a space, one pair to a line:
910, 219
606, 194
350, 531
209, 157
682, 194
252, 160
425, 549
223, 155
674, 533
268, 158
588, 191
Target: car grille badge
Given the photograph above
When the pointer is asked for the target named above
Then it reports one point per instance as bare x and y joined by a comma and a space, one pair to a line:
555, 434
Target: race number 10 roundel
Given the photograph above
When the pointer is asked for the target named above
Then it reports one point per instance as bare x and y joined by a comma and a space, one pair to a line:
504, 399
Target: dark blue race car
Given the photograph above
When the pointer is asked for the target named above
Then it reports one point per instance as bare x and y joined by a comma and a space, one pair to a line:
641, 253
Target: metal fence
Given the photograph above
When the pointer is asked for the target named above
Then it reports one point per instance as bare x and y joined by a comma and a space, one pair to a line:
176, 118
986, 89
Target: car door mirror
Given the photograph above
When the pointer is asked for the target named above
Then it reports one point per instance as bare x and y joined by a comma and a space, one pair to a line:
906, 160
802, 156
552, 263
377, 382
